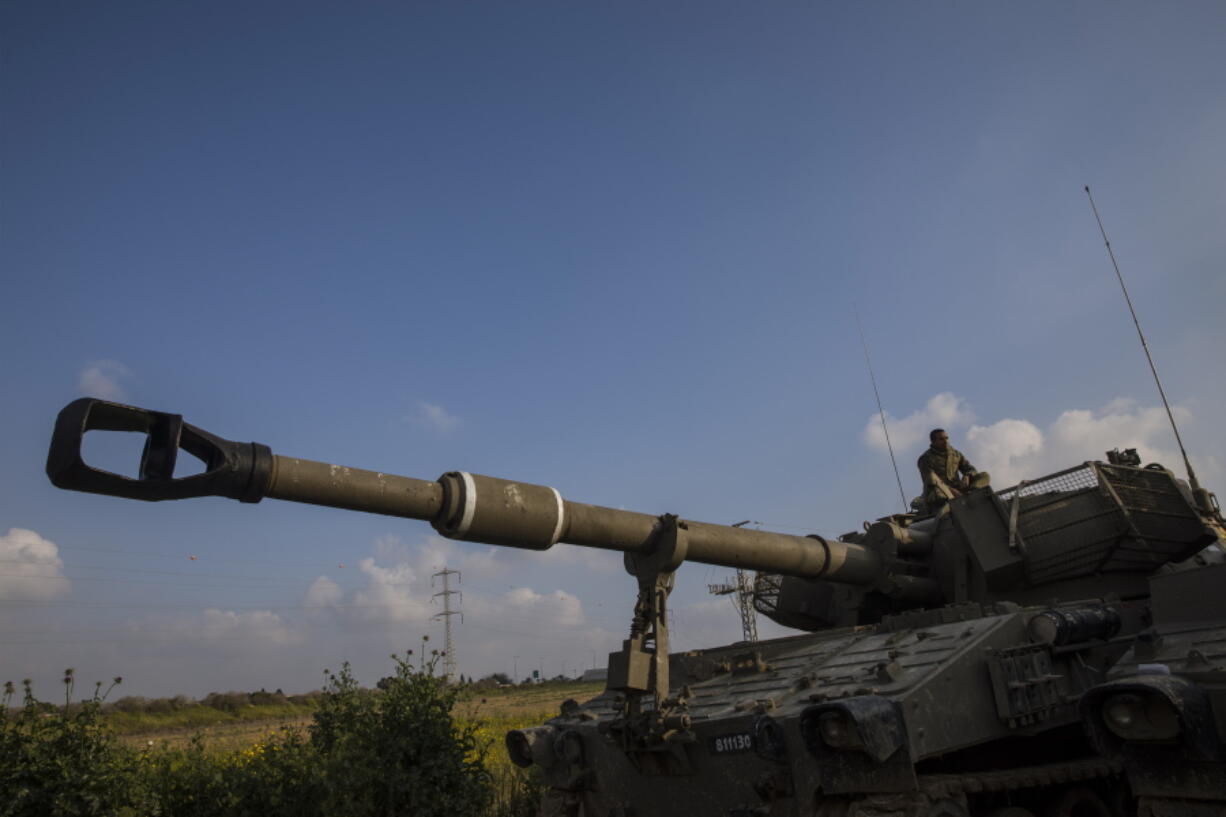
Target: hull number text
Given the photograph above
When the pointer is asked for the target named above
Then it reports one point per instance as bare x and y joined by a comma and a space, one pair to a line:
739, 742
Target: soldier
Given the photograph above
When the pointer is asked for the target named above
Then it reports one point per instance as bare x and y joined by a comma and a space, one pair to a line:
939, 467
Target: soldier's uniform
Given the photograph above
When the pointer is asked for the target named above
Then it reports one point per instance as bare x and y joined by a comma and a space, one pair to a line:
939, 472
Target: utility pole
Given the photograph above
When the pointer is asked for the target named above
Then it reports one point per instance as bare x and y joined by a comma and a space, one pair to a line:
449, 662
742, 599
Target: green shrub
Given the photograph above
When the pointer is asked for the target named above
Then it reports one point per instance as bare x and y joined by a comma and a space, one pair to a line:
128, 703
392, 751
226, 701
264, 698
61, 762
516, 792
278, 777
397, 751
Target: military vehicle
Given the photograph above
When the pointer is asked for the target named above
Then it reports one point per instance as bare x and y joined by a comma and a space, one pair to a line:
1162, 711
1056, 648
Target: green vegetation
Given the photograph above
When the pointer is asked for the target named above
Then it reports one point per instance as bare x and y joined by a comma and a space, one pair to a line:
60, 761
395, 750
199, 716
516, 792
137, 717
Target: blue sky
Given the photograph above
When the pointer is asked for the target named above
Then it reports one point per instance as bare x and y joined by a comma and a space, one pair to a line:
613, 248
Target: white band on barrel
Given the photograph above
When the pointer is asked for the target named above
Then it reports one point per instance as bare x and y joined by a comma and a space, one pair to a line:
470, 505
557, 530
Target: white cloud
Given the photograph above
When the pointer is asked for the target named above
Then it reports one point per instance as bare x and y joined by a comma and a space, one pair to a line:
215, 628
1014, 449
397, 593
400, 583
253, 627
1003, 448
1121, 423
323, 592
596, 560
432, 553
102, 379
944, 410
523, 629
559, 606
1075, 436
434, 417
31, 567
517, 616
403, 590
400, 591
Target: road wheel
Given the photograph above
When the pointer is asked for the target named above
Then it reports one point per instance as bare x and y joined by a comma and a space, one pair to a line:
1081, 801
947, 808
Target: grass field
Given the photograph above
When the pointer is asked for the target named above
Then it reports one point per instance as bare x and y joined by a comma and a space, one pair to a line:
495, 710
520, 700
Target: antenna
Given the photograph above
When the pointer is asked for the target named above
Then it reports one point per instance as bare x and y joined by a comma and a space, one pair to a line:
1187, 463
880, 410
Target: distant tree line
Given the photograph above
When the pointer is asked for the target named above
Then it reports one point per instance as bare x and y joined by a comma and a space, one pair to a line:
223, 701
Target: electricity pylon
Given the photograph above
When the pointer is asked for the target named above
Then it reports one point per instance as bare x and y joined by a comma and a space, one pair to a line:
742, 597
449, 662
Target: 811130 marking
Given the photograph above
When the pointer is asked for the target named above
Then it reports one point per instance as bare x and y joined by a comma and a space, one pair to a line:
736, 742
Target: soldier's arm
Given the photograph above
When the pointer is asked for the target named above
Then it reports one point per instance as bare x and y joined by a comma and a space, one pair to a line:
934, 482
964, 465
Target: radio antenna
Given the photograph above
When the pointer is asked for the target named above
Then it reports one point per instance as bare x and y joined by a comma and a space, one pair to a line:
1187, 463
880, 411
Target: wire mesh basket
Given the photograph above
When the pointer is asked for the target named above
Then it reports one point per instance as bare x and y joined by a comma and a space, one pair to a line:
1099, 518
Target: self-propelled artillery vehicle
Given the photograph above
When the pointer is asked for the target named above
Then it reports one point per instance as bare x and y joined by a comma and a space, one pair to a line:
1026, 652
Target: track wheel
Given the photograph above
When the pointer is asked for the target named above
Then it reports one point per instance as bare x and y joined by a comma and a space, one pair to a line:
1080, 801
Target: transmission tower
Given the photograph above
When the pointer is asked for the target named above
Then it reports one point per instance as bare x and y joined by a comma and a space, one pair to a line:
449, 663
742, 598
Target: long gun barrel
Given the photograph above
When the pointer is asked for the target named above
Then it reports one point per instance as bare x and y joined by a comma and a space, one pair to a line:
460, 505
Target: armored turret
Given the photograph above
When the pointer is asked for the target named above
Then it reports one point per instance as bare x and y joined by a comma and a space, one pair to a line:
1097, 527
